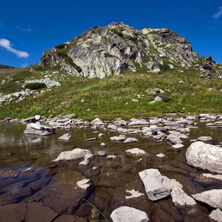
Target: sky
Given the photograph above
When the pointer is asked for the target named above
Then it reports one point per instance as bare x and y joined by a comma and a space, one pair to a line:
27, 28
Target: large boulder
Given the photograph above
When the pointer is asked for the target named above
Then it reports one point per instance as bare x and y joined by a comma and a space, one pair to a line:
152, 181
205, 156
128, 214
39, 129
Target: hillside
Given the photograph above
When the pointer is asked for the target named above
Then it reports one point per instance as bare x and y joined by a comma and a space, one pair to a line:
149, 72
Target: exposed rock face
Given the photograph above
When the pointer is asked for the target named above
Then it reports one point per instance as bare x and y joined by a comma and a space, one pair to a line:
105, 51
205, 156
128, 214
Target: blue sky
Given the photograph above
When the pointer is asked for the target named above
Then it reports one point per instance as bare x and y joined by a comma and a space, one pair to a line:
27, 28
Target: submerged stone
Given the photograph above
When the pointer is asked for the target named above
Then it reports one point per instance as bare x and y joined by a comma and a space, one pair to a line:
128, 214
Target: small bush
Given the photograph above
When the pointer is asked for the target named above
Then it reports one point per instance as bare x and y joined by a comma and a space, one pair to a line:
61, 46
36, 85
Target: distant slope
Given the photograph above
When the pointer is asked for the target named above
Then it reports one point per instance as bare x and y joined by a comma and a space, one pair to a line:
6, 67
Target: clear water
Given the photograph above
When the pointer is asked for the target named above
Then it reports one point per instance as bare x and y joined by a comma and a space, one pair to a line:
25, 162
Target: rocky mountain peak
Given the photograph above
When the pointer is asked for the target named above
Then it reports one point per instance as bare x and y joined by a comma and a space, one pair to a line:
105, 51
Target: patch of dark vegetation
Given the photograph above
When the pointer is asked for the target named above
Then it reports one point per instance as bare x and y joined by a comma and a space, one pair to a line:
36, 85
61, 46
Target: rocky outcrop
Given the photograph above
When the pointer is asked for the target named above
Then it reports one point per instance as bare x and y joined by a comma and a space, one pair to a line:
105, 51
205, 156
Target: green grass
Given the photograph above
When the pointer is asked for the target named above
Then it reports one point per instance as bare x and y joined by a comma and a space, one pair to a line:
112, 97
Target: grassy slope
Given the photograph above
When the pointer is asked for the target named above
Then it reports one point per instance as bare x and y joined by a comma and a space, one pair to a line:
112, 97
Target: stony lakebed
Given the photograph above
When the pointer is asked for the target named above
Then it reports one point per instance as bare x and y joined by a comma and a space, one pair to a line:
64, 169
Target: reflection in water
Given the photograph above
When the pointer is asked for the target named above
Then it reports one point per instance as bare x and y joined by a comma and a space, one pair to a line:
29, 180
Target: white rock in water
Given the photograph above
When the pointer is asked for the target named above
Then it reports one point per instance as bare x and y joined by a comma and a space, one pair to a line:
178, 146
134, 194
84, 184
37, 117
97, 122
136, 151
137, 122
39, 129
160, 155
180, 198
118, 138
74, 154
65, 137
216, 215
128, 214
101, 135
152, 181
205, 156
211, 197
174, 138
216, 177
111, 157
170, 183
86, 160
131, 140
205, 138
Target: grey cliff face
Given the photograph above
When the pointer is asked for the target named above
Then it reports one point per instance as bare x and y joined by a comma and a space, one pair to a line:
105, 51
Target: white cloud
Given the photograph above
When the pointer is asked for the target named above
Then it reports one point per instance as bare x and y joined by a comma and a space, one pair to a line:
25, 29
219, 13
5, 43
24, 65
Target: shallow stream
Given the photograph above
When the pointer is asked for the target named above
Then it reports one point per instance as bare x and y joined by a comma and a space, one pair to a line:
26, 176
